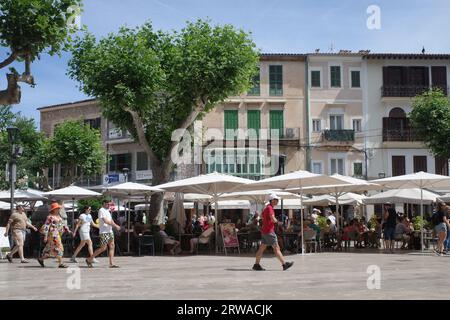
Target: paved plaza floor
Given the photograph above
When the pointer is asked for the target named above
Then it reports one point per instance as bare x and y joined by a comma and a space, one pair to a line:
316, 276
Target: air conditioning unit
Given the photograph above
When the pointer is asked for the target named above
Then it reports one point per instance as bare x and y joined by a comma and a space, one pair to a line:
290, 132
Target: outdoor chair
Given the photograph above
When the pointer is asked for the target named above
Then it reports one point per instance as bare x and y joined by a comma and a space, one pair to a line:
254, 239
209, 245
146, 241
310, 240
352, 236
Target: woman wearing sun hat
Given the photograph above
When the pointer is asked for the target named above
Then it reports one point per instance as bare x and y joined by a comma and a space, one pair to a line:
52, 230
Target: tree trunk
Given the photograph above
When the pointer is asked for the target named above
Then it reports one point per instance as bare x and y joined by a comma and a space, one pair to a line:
12, 94
161, 175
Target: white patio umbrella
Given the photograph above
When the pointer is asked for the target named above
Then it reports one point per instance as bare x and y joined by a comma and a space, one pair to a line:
445, 197
260, 196
72, 193
22, 195
178, 213
410, 196
290, 203
4, 206
298, 180
233, 204
416, 180
129, 189
347, 184
212, 184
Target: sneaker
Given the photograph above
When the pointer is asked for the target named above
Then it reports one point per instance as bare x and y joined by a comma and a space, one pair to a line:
437, 253
73, 260
257, 267
287, 265
41, 262
8, 256
95, 261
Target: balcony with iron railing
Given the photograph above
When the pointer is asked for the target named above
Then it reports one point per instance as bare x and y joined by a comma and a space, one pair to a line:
342, 135
400, 91
406, 134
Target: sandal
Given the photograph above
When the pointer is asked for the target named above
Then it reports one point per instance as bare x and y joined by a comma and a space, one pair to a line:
89, 263
63, 266
114, 266
8, 256
41, 262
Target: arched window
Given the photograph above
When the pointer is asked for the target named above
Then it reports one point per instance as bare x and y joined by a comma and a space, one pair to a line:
397, 113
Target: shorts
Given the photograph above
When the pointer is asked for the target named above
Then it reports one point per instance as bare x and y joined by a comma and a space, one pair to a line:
269, 239
106, 238
169, 241
441, 227
85, 235
19, 237
389, 233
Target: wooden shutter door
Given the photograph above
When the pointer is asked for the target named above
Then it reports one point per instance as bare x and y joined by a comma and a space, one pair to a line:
398, 165
420, 163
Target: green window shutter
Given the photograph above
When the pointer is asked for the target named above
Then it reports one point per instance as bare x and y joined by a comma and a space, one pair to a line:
315, 79
335, 75
276, 80
356, 79
231, 123
277, 121
253, 122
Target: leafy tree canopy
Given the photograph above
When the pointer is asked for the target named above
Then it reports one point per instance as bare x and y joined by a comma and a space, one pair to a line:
430, 117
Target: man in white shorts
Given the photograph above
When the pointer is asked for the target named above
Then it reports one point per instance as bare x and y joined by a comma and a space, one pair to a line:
84, 224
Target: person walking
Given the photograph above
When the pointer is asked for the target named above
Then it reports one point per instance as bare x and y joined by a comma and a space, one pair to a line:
440, 222
18, 223
84, 224
53, 228
447, 239
390, 221
106, 235
269, 238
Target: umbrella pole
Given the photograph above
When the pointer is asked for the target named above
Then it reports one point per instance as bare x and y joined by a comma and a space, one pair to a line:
216, 209
421, 214
128, 225
337, 211
301, 218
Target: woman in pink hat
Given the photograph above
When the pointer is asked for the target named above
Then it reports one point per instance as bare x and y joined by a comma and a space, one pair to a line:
52, 230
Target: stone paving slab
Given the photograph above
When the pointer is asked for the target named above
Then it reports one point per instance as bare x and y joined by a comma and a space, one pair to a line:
314, 276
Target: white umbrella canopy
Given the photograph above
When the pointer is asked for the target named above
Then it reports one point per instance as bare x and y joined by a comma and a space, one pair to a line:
197, 197
131, 189
290, 204
326, 200
260, 196
445, 197
23, 195
212, 184
233, 204
4, 206
411, 196
72, 192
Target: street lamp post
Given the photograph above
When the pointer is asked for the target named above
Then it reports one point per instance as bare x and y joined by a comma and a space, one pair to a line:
13, 133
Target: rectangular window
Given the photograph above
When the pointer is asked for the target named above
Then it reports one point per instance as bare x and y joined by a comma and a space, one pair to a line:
355, 79
441, 166
316, 125
335, 76
357, 169
256, 89
142, 161
231, 124
118, 162
336, 122
357, 125
420, 163
315, 79
398, 165
337, 166
93, 123
317, 167
276, 123
276, 80
253, 123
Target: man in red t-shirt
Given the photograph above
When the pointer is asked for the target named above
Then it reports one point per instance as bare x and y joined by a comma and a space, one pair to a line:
268, 236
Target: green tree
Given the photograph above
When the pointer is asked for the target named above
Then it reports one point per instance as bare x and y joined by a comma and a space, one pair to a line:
29, 165
153, 82
29, 28
77, 148
430, 117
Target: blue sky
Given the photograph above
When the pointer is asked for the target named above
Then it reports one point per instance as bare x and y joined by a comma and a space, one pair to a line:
277, 26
